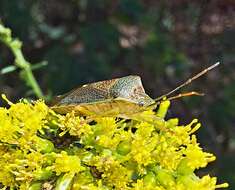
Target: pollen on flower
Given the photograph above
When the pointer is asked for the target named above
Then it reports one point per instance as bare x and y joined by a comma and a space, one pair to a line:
40, 148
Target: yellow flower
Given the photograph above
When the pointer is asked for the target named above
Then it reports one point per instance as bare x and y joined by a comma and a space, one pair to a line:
196, 157
66, 163
113, 173
145, 152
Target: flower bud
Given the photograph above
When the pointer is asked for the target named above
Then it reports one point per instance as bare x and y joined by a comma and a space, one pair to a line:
124, 148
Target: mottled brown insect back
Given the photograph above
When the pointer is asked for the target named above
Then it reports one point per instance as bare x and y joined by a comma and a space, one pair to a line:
119, 96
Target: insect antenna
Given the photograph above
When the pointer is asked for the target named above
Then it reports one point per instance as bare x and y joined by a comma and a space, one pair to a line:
186, 83
180, 95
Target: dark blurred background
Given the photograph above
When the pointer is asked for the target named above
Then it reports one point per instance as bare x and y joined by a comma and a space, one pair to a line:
164, 42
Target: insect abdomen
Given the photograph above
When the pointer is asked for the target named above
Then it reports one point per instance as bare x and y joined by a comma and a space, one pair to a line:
108, 108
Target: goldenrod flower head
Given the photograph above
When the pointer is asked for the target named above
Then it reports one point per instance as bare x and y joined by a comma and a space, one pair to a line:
66, 163
42, 149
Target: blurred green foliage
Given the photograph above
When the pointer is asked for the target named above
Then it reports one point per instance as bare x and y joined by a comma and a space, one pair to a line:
26, 70
162, 41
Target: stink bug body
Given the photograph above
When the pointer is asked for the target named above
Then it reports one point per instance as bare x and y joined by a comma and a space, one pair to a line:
122, 97
116, 96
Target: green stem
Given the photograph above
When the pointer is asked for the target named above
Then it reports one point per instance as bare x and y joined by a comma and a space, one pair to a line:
15, 46
23, 64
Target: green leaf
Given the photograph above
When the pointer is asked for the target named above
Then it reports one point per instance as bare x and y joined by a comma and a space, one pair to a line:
8, 69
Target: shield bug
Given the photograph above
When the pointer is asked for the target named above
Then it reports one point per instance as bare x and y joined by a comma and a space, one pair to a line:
121, 96
116, 96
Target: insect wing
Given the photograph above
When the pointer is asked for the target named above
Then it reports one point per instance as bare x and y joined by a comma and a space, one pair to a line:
86, 94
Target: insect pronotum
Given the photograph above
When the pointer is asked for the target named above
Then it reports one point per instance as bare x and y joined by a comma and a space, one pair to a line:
121, 96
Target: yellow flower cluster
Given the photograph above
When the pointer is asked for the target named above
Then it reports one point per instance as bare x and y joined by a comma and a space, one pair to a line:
65, 163
41, 149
